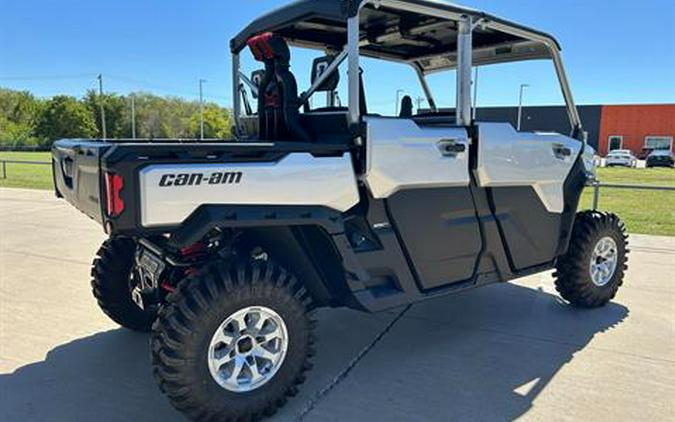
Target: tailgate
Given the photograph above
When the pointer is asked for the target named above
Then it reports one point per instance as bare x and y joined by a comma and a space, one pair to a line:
76, 172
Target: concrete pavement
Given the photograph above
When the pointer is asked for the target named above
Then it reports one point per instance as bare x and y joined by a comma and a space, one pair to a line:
503, 352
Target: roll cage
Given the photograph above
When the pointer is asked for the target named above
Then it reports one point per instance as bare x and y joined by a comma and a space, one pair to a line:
428, 35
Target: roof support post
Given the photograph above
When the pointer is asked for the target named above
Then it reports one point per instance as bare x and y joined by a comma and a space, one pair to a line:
247, 81
354, 69
236, 95
425, 88
572, 111
464, 63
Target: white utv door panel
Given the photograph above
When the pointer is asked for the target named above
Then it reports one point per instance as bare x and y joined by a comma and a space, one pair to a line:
525, 176
403, 155
422, 174
539, 160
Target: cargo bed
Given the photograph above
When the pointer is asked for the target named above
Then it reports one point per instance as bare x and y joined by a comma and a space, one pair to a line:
88, 173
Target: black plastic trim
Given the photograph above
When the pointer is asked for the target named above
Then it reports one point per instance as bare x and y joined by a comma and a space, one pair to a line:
209, 217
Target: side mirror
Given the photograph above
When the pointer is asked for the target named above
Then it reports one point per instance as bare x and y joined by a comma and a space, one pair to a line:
257, 78
319, 66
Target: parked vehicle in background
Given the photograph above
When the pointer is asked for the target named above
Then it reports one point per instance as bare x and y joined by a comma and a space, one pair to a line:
642, 155
661, 158
621, 157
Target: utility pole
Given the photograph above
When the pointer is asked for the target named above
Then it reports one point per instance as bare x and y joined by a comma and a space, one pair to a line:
133, 116
520, 105
100, 100
201, 109
475, 93
398, 100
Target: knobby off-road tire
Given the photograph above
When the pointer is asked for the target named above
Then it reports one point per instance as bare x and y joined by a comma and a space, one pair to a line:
592, 271
111, 272
185, 331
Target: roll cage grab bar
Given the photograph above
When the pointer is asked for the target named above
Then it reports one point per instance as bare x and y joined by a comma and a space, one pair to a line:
466, 25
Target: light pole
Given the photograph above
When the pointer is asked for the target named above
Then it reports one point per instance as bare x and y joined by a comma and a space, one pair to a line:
133, 116
420, 100
201, 109
398, 96
520, 104
100, 100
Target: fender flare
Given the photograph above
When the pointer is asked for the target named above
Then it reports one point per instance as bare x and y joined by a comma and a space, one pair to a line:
208, 217
307, 239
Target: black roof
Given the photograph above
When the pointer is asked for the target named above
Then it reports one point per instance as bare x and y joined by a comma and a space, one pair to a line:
394, 34
334, 12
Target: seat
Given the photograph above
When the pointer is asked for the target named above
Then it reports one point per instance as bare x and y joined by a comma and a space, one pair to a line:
406, 107
278, 102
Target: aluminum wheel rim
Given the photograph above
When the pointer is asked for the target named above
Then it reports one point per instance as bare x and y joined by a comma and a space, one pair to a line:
247, 349
604, 261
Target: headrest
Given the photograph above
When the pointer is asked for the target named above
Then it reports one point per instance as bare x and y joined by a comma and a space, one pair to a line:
269, 46
406, 107
319, 66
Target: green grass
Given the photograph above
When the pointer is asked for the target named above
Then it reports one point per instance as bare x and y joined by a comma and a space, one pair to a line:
649, 212
28, 176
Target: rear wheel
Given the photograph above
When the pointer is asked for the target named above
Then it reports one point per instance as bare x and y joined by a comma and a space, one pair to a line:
113, 282
233, 341
592, 271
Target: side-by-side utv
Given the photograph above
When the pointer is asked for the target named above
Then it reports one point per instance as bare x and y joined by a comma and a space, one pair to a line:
223, 249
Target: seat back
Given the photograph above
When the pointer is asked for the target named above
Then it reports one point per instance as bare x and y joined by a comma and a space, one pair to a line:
278, 103
406, 107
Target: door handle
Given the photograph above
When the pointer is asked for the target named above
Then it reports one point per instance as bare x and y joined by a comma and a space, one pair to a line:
451, 147
561, 152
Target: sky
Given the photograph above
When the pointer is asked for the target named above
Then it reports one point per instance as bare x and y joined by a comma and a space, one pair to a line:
615, 51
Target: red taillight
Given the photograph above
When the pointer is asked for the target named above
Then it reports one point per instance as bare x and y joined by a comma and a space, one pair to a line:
113, 186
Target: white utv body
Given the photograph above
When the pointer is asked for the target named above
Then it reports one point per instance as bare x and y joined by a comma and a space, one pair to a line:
223, 249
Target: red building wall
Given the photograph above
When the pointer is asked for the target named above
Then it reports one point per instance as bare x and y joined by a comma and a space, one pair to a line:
634, 123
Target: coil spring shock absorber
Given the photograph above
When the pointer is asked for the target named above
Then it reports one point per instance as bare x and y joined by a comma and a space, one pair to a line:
189, 253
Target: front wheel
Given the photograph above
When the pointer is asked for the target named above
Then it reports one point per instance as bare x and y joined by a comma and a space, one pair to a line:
233, 341
592, 270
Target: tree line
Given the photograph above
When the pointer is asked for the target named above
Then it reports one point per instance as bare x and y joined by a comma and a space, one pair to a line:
29, 121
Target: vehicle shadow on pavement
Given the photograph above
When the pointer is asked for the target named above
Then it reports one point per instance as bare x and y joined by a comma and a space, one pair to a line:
483, 355
493, 351
105, 376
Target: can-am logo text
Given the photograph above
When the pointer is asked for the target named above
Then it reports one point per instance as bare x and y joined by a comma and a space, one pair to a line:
197, 179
